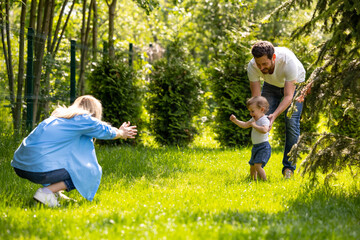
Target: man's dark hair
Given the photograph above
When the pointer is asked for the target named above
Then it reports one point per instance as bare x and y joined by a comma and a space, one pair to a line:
262, 48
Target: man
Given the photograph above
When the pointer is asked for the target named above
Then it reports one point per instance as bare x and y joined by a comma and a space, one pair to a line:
281, 70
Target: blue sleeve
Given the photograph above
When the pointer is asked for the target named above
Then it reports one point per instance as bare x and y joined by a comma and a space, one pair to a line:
93, 127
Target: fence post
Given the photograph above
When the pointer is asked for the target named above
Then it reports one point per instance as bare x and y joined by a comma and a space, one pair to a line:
73, 72
105, 48
167, 53
131, 53
29, 80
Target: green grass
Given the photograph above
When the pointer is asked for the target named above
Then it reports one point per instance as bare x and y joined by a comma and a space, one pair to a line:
201, 192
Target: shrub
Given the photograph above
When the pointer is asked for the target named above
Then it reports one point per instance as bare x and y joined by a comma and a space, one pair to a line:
113, 83
230, 86
173, 98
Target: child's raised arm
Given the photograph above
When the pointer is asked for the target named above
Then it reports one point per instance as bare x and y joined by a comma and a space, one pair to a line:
241, 123
262, 129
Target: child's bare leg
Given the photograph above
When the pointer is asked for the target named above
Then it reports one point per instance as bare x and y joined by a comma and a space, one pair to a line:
260, 171
253, 172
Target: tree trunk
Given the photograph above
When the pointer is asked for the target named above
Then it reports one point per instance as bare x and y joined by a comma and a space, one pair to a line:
112, 8
20, 81
39, 16
63, 29
95, 32
32, 21
39, 53
37, 40
5, 33
84, 48
50, 63
33, 14
56, 33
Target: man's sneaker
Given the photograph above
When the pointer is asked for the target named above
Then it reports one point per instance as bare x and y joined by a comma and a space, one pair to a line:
288, 173
49, 199
62, 196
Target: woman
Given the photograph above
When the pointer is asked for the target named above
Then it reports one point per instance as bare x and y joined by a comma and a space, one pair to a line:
59, 153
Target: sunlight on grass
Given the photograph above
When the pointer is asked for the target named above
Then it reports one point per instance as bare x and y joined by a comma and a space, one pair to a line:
200, 192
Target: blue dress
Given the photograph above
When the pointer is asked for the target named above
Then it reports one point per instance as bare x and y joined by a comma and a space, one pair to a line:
66, 143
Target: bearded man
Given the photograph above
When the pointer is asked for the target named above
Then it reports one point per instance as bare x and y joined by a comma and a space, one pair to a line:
280, 70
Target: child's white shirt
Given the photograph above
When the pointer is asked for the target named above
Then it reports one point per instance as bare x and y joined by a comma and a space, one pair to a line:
258, 137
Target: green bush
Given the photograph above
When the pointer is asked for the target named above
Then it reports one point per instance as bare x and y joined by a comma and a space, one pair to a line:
230, 86
114, 84
173, 98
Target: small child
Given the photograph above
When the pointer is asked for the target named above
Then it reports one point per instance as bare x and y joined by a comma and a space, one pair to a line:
261, 151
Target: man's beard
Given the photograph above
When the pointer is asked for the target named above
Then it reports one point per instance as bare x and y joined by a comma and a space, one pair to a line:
269, 70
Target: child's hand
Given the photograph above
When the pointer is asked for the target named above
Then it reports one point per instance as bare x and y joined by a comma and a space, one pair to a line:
232, 117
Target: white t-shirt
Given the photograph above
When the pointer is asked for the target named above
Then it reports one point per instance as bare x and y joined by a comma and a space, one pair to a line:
258, 137
287, 68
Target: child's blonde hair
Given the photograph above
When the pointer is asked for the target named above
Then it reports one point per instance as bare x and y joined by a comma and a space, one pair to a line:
86, 104
259, 101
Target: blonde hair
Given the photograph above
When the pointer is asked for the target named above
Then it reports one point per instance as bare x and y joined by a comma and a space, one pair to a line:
86, 104
259, 101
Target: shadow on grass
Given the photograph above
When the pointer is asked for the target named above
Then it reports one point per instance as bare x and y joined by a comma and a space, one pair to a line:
323, 213
315, 214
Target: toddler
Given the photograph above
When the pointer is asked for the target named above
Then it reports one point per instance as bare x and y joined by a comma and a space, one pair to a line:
261, 151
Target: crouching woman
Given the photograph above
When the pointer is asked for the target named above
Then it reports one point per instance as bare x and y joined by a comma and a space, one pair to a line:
59, 153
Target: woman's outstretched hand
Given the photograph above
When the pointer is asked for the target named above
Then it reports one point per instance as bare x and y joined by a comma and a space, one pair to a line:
126, 131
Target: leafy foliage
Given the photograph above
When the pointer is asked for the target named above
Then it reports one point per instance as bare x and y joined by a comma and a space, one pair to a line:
174, 98
147, 5
230, 86
114, 84
207, 31
335, 90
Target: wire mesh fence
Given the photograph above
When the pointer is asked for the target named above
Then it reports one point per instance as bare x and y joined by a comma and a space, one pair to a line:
59, 86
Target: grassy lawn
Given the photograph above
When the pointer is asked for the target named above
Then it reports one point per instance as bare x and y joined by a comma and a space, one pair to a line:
201, 192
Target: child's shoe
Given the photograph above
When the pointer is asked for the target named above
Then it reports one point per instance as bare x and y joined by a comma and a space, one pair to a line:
49, 199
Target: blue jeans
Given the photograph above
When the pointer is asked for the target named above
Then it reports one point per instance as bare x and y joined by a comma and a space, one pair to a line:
47, 178
274, 96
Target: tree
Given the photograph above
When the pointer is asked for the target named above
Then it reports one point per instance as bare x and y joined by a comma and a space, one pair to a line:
230, 87
147, 5
53, 44
112, 8
20, 79
45, 12
95, 31
115, 84
334, 85
174, 97
6, 42
85, 31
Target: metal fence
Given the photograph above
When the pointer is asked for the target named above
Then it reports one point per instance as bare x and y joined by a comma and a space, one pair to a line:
29, 79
